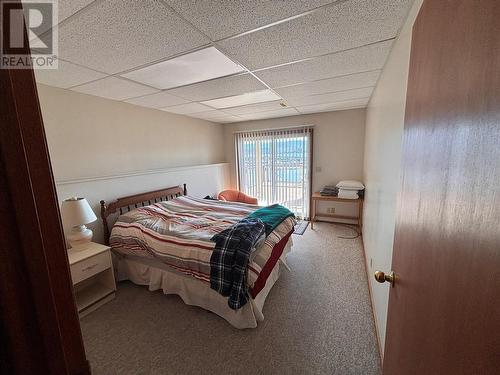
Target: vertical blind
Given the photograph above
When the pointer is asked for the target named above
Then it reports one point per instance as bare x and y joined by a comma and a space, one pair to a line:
274, 166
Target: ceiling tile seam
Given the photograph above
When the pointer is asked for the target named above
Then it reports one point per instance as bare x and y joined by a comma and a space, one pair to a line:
190, 84
166, 5
213, 44
118, 75
348, 108
159, 90
263, 119
82, 66
334, 102
164, 109
163, 59
284, 20
273, 110
337, 102
254, 113
239, 115
94, 3
176, 87
220, 48
199, 48
156, 93
339, 91
171, 57
330, 110
146, 85
390, 52
322, 55
71, 16
122, 78
230, 96
250, 113
328, 78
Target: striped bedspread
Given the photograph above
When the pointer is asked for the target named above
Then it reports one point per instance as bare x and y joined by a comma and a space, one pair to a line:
178, 233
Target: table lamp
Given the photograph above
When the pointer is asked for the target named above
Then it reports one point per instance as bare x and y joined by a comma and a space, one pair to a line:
76, 212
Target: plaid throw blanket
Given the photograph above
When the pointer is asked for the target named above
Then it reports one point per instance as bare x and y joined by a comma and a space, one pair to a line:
229, 260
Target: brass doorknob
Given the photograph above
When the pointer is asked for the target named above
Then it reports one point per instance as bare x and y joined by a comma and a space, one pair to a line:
381, 277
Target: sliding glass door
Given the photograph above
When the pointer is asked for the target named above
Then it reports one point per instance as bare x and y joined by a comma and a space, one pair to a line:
274, 166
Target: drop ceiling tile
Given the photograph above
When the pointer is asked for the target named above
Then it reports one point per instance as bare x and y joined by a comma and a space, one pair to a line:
185, 109
208, 114
65, 8
329, 98
66, 75
349, 82
158, 100
338, 106
357, 60
211, 16
215, 116
218, 88
344, 25
243, 99
270, 114
114, 88
117, 35
255, 108
197, 66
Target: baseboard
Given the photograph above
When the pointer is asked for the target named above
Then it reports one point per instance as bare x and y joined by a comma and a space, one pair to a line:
372, 302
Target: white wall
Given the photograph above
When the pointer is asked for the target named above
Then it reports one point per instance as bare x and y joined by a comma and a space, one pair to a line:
104, 149
91, 136
201, 180
338, 147
384, 130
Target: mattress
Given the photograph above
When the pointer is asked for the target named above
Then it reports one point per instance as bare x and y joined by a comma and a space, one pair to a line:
177, 233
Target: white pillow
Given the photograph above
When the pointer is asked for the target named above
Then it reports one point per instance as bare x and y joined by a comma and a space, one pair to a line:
350, 185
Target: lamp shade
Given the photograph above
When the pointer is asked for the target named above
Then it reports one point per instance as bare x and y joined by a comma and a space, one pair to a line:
77, 211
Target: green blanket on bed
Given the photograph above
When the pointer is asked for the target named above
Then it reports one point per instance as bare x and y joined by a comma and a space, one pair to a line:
271, 216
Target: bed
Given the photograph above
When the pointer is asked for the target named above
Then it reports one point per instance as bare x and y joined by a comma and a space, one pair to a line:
161, 239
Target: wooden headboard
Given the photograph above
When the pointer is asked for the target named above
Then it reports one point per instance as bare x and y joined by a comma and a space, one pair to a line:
125, 204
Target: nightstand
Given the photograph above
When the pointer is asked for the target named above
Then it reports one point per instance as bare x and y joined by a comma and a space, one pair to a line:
92, 275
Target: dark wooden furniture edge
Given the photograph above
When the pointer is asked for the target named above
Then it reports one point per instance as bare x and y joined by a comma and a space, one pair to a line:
39, 327
137, 200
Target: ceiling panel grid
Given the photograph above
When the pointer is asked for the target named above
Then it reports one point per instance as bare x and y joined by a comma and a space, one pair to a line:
226, 60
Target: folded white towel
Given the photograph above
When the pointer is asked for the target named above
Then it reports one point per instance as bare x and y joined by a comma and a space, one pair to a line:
348, 194
350, 185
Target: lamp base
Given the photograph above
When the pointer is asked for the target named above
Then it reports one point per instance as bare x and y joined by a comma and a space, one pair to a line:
80, 235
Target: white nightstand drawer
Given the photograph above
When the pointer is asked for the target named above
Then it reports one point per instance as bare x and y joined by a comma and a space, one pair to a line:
89, 267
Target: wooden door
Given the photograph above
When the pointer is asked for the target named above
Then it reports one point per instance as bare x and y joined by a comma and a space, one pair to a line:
444, 310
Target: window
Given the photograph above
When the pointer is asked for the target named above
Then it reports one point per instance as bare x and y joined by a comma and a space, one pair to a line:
275, 167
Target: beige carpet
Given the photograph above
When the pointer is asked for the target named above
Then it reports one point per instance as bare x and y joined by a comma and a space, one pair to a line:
317, 321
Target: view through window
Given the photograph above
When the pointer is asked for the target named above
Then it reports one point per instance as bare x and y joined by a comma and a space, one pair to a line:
274, 167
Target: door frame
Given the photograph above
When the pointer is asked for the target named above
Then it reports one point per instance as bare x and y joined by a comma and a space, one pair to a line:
40, 329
